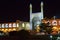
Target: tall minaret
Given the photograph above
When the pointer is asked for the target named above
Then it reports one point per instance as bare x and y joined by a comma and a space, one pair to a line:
42, 9
31, 16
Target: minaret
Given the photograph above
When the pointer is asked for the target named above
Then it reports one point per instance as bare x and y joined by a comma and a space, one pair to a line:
30, 11
42, 9
31, 16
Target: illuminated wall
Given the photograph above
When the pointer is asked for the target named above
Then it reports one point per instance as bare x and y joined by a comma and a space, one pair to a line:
26, 25
14, 26
7, 27
53, 22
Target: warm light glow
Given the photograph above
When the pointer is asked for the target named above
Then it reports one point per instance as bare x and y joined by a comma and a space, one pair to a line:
6, 29
14, 29
59, 28
2, 29
38, 28
55, 28
23, 25
27, 26
45, 21
17, 24
10, 30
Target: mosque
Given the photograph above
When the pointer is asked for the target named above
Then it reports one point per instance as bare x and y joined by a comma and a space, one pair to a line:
35, 18
19, 25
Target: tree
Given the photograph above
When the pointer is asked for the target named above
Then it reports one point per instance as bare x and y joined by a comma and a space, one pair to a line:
46, 27
42, 26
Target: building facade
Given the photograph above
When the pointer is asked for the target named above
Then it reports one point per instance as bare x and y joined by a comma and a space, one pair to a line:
14, 26
55, 23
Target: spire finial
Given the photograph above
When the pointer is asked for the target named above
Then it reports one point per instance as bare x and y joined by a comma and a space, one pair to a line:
42, 7
30, 5
41, 2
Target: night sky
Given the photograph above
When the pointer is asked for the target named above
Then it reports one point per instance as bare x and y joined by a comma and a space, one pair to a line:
51, 8
13, 10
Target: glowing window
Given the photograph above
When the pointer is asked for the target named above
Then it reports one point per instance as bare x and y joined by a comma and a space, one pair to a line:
2, 25
14, 24
27, 26
54, 22
10, 25
6, 25
17, 24
23, 25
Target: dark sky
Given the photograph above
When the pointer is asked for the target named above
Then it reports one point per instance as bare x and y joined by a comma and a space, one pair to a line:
51, 8
12, 10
